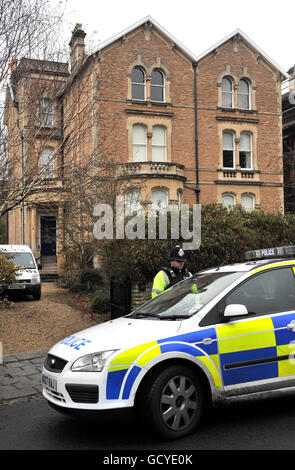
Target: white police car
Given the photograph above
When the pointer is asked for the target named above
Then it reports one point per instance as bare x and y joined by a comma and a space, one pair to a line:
224, 332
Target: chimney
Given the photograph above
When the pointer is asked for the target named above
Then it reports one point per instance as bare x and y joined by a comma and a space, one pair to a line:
77, 46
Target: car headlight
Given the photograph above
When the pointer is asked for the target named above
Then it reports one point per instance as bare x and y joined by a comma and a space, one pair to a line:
92, 362
35, 279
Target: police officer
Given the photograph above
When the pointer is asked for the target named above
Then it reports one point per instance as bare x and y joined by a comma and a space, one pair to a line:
170, 275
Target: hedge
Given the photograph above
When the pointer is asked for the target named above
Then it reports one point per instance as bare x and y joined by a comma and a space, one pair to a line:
225, 236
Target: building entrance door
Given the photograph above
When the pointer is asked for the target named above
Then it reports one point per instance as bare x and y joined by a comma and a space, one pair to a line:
48, 235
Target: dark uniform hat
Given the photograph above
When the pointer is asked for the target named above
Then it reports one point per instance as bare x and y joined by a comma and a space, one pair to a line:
177, 254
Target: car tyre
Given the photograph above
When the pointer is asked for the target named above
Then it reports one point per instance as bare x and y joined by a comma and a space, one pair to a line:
37, 295
175, 402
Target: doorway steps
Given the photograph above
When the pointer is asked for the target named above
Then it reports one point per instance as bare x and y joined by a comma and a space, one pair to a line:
48, 271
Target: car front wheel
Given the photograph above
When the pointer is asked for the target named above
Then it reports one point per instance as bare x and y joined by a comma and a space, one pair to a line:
37, 295
175, 402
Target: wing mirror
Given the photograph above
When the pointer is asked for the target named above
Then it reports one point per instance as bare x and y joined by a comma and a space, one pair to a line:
235, 310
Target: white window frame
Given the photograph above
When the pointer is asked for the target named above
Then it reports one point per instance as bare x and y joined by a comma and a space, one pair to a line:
143, 85
46, 112
47, 165
250, 151
165, 192
231, 93
132, 202
179, 198
233, 150
143, 145
229, 196
163, 147
245, 94
159, 86
250, 196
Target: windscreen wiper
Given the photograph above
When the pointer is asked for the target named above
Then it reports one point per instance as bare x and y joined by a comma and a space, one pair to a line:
159, 317
146, 314
175, 317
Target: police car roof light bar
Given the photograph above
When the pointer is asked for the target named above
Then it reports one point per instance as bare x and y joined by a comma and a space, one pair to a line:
276, 252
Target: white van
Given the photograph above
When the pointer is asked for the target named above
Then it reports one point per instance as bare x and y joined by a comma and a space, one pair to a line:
28, 277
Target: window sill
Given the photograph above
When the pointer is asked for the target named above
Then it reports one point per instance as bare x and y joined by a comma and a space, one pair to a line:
164, 104
238, 176
238, 170
151, 112
237, 110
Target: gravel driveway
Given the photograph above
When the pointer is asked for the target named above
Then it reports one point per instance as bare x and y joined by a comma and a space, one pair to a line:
37, 325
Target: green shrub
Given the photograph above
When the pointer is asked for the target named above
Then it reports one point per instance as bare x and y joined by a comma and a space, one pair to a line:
77, 288
8, 270
225, 236
101, 303
91, 278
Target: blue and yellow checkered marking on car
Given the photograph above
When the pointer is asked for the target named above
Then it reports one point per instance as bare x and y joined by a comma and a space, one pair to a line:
285, 344
242, 343
257, 349
240, 352
126, 366
121, 365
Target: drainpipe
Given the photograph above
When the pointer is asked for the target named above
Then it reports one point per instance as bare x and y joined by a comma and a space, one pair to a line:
62, 139
23, 188
195, 64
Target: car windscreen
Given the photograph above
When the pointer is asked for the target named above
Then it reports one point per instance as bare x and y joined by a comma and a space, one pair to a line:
187, 297
24, 260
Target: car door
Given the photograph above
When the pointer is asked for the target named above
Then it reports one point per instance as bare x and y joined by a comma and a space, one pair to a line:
258, 346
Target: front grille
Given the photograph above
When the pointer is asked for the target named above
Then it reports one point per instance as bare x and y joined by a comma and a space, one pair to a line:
23, 281
54, 363
83, 393
55, 395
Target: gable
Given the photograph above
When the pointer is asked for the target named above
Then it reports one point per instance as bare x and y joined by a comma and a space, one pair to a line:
147, 22
238, 35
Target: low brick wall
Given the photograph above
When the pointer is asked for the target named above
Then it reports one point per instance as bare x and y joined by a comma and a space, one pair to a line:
140, 293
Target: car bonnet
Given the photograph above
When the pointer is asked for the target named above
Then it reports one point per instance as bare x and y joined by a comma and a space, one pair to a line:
121, 333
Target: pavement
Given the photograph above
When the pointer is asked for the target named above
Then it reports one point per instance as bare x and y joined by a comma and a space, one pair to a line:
20, 375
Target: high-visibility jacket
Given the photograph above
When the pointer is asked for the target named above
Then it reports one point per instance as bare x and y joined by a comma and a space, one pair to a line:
167, 277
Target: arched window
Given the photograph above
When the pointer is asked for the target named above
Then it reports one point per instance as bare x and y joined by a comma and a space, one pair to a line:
139, 142
157, 86
228, 200
46, 112
159, 144
244, 94
132, 202
228, 149
159, 199
248, 202
245, 151
138, 83
227, 92
47, 163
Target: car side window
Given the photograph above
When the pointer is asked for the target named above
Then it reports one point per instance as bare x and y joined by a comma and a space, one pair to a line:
268, 292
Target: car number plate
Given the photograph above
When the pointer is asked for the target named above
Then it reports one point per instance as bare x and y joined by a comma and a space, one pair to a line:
17, 286
49, 382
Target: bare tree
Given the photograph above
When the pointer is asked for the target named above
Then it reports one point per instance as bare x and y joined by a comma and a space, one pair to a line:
58, 148
27, 28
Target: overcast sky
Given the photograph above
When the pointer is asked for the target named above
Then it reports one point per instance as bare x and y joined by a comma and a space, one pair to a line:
197, 25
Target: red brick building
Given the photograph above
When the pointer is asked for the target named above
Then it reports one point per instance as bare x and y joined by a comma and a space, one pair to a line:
182, 127
288, 109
